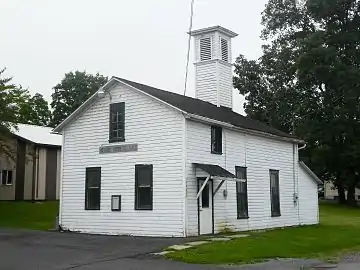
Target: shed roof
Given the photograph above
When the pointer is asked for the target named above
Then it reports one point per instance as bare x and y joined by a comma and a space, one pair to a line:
38, 134
214, 170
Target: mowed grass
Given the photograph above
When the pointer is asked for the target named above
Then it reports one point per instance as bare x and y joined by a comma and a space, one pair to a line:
28, 215
338, 232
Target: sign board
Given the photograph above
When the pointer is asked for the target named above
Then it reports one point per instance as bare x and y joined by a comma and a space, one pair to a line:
118, 148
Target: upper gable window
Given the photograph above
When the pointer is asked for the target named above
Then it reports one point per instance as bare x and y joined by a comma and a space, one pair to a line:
117, 122
205, 49
216, 140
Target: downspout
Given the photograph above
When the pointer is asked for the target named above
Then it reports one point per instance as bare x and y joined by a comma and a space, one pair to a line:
34, 173
297, 179
295, 185
37, 173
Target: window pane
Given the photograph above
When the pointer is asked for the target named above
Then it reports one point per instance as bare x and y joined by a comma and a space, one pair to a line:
205, 198
9, 177
241, 191
144, 177
3, 177
117, 121
216, 139
93, 180
93, 198
144, 197
241, 172
143, 186
92, 188
274, 193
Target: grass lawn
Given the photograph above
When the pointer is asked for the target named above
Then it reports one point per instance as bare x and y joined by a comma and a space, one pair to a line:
338, 232
28, 215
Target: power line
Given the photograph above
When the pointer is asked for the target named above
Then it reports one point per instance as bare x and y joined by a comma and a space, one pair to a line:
189, 40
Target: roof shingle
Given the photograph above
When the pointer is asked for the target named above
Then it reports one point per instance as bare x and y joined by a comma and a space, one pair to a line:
206, 109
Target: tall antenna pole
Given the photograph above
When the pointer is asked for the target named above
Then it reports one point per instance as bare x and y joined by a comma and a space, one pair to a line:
189, 40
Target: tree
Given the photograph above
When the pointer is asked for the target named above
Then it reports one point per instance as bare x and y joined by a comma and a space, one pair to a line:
308, 82
9, 111
74, 89
34, 110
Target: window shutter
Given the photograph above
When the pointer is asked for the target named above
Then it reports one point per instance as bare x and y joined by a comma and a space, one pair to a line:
205, 49
224, 50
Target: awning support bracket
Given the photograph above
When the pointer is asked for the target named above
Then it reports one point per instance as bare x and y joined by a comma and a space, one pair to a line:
219, 186
202, 187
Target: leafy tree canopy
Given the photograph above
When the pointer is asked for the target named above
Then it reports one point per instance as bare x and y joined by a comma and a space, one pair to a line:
10, 97
308, 82
75, 88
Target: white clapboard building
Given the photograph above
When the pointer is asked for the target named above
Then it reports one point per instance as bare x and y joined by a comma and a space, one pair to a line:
143, 161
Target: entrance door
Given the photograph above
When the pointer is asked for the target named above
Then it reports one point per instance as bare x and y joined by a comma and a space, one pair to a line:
205, 208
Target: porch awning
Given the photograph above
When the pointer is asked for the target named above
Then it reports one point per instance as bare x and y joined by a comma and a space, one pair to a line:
215, 170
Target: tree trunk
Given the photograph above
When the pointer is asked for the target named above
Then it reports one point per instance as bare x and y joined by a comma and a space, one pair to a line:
351, 195
341, 192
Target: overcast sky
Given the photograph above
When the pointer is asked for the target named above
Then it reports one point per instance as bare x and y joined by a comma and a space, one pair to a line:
140, 40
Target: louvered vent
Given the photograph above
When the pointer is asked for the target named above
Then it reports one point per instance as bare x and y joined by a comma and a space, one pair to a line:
224, 50
205, 49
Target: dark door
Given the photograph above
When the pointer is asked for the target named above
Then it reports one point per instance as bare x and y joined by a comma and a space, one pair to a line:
51, 167
20, 171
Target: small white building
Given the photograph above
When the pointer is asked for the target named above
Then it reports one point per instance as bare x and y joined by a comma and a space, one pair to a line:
143, 161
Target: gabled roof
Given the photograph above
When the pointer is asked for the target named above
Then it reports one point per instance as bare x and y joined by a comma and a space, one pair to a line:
311, 173
190, 106
38, 135
206, 109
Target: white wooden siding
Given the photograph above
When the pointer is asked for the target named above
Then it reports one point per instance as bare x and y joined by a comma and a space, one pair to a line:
225, 84
206, 81
158, 131
308, 199
259, 155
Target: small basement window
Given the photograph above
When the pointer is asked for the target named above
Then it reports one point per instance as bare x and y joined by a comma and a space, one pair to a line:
205, 49
216, 140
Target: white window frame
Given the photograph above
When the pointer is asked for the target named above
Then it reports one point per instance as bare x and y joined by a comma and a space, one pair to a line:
7, 177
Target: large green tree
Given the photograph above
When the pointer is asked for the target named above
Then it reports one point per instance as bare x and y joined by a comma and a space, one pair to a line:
72, 91
10, 96
308, 82
33, 110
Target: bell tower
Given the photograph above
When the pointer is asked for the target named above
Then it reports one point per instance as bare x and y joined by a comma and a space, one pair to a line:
213, 68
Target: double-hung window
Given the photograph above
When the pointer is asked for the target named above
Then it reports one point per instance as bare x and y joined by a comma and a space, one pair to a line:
6, 177
93, 188
241, 193
143, 187
216, 140
117, 122
275, 193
